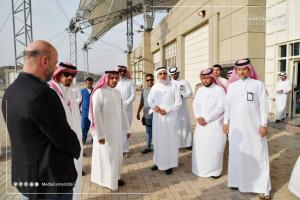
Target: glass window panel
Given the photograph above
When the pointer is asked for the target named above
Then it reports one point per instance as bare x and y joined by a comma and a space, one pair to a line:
295, 49
282, 51
282, 65
297, 102
170, 50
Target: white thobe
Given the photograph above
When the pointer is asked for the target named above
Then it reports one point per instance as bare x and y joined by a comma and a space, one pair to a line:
68, 98
209, 140
281, 99
76, 90
294, 184
111, 124
246, 109
127, 90
184, 125
224, 81
164, 127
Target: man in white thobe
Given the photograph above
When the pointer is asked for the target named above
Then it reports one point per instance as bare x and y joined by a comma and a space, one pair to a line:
127, 90
184, 125
62, 84
245, 122
228, 74
217, 73
294, 184
209, 140
164, 100
283, 88
109, 124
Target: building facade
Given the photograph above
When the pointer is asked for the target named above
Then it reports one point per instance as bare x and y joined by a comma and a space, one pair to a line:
282, 49
197, 34
7, 75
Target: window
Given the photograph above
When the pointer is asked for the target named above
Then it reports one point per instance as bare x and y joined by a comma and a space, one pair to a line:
138, 73
282, 51
170, 54
282, 65
156, 59
295, 49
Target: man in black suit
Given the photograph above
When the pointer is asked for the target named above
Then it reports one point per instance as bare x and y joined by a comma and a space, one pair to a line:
42, 143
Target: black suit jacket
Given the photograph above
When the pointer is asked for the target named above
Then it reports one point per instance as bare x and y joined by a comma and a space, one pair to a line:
42, 143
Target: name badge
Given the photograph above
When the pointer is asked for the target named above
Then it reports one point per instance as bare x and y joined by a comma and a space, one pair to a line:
249, 96
181, 87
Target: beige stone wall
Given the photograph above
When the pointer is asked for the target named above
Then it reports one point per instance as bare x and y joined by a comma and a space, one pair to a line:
281, 29
235, 31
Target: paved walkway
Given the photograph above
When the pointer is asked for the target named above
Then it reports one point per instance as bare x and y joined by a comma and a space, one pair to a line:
142, 183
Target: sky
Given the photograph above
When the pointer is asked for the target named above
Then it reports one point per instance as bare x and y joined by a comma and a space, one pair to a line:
50, 23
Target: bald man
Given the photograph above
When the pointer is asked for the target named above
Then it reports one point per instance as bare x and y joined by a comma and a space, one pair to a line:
42, 142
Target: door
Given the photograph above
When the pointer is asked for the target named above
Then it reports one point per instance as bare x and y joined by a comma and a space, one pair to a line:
296, 90
196, 46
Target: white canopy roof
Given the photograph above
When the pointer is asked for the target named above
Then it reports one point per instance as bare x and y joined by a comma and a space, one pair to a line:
106, 7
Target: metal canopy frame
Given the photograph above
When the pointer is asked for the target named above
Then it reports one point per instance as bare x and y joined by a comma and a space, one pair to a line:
22, 28
81, 21
129, 26
82, 14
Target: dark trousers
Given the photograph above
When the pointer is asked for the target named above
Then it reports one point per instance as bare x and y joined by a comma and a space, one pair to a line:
149, 136
85, 126
148, 124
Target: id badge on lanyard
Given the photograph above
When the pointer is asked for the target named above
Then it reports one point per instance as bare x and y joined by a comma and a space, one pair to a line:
250, 96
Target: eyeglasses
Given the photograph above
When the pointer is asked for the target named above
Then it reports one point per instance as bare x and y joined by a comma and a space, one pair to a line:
67, 74
162, 73
147, 80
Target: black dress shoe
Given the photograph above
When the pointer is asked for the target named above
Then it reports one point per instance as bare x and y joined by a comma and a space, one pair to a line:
189, 148
277, 121
83, 173
233, 188
169, 171
154, 168
146, 151
215, 177
121, 182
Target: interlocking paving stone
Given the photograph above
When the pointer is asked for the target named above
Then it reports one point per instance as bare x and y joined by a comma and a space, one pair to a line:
142, 183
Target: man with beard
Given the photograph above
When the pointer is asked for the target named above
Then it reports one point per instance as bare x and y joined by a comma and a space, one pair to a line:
147, 118
245, 122
62, 84
217, 73
127, 90
184, 125
42, 142
109, 125
283, 88
164, 99
85, 104
209, 140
